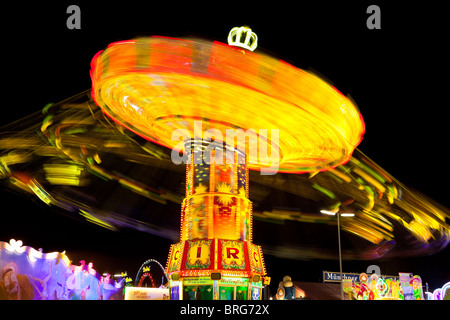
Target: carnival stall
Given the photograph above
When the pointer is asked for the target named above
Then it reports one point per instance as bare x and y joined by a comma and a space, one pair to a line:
30, 274
442, 293
363, 286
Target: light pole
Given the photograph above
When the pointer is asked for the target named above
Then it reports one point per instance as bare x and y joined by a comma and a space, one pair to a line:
338, 214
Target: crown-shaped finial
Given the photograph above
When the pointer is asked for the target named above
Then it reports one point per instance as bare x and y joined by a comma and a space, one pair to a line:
243, 37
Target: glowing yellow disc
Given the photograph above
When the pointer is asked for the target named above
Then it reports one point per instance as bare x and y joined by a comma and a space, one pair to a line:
154, 86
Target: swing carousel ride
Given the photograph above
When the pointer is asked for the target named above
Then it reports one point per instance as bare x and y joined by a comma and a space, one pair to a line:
106, 155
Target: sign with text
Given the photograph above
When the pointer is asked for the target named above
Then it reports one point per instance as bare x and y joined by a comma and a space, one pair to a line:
198, 254
405, 279
256, 259
336, 277
329, 276
143, 293
233, 255
176, 254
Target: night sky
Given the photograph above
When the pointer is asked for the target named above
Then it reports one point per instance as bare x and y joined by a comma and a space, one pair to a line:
395, 75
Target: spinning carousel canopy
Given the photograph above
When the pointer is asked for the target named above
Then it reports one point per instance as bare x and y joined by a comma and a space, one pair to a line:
154, 86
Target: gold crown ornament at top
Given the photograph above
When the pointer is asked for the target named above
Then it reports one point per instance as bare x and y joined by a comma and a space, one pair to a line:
243, 37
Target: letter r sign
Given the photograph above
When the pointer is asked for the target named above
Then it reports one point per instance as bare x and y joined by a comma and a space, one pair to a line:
232, 252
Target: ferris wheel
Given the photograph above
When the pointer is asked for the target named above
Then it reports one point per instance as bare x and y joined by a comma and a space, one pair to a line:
149, 274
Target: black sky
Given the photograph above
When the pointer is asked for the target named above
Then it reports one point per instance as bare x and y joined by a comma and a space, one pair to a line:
395, 75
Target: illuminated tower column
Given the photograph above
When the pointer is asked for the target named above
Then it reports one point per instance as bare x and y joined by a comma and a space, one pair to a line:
216, 203
215, 251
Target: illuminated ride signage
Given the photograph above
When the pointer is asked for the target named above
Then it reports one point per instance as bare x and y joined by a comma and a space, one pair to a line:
203, 257
233, 256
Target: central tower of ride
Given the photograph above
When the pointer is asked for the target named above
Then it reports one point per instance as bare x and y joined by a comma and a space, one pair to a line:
215, 258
